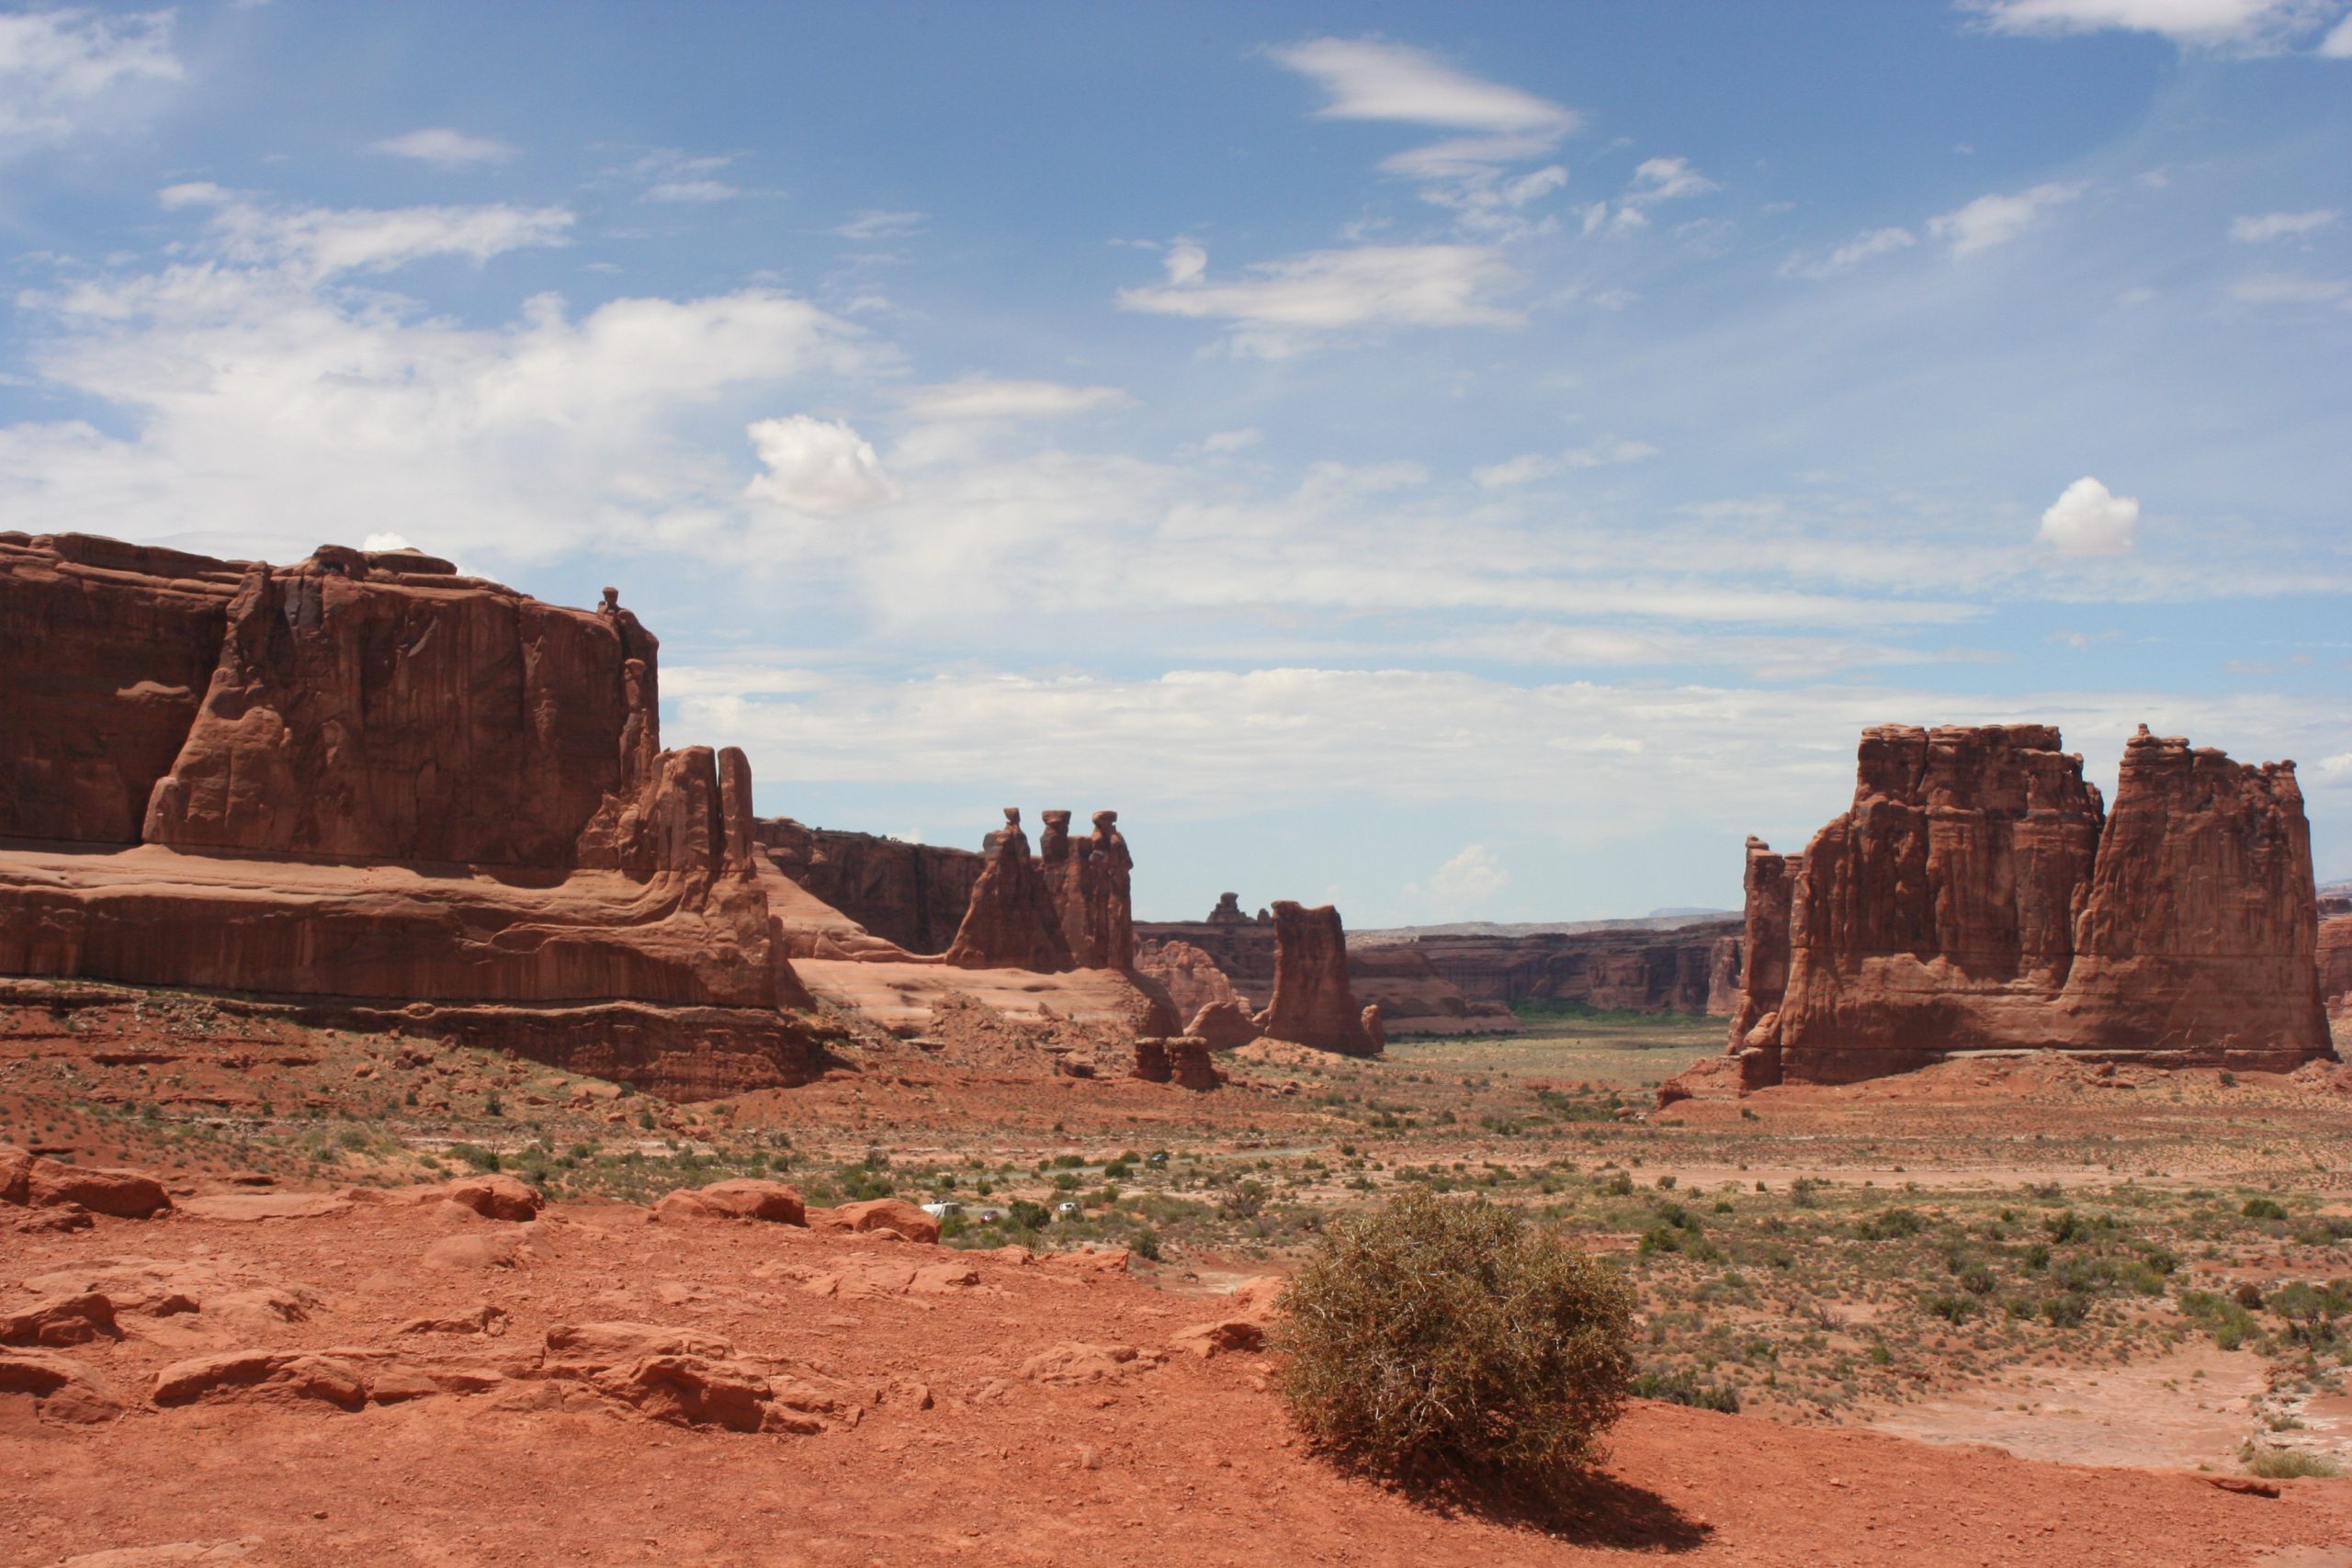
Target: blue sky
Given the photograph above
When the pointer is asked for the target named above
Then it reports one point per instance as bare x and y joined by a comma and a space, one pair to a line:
1477, 461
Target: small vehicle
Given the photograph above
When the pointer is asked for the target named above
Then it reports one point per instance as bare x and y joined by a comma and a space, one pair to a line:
990, 1216
1159, 1159
1066, 1207
942, 1210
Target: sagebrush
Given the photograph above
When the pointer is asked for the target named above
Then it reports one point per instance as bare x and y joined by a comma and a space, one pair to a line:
1448, 1337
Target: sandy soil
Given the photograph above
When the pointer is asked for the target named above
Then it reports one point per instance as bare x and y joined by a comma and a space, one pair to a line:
1001, 1420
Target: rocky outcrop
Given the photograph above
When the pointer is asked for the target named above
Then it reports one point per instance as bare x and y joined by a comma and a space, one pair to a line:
1013, 922
1190, 977
1313, 1003
1226, 1025
1182, 1060
391, 790
1978, 896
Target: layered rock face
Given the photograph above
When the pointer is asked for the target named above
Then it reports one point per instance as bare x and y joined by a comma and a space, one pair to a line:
1977, 895
910, 895
2336, 961
1313, 1003
390, 787
1692, 968
1190, 977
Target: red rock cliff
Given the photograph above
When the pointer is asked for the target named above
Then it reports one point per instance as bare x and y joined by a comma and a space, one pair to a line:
1977, 895
1313, 1003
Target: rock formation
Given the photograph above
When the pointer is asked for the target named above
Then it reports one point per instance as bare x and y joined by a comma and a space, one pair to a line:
382, 787
1013, 922
1225, 1026
1977, 895
1313, 1004
1182, 1060
1202, 962
1190, 977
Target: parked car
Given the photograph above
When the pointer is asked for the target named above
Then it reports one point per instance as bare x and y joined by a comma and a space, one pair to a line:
1068, 1207
940, 1210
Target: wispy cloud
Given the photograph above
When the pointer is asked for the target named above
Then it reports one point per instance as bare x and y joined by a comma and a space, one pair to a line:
2255, 27
1279, 307
872, 224
1996, 220
445, 147
986, 398
2281, 225
1866, 246
318, 242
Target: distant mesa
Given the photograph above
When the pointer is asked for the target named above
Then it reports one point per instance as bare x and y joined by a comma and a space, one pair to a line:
1978, 896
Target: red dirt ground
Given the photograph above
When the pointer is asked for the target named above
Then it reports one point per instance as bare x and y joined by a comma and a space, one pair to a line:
1185, 1460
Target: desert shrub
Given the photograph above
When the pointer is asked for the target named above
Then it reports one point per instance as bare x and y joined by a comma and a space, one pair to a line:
1682, 1386
1448, 1337
2263, 1208
2290, 1464
1890, 1224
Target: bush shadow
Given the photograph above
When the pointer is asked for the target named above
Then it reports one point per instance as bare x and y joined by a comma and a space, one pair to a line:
1594, 1509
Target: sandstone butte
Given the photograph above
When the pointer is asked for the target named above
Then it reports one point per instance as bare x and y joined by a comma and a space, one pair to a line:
371, 791
1978, 896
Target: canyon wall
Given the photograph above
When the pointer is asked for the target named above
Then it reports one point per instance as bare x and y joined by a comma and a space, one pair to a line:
383, 785
912, 894
1978, 896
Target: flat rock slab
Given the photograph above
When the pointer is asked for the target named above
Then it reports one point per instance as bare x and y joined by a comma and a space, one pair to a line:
247, 1206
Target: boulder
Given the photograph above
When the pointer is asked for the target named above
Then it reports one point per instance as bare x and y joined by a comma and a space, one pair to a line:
61, 1320
263, 1376
61, 1389
493, 1196
742, 1198
1189, 975
893, 1215
44, 1183
579, 1349
1222, 1026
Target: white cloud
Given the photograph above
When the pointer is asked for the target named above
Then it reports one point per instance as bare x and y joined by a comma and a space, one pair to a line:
386, 542
2256, 25
2088, 520
2281, 225
318, 243
1865, 246
1279, 302
1186, 262
1367, 79
251, 396
1468, 883
1665, 179
817, 465
1223, 443
985, 398
1536, 466
875, 224
1996, 219
449, 149
2337, 44
54, 62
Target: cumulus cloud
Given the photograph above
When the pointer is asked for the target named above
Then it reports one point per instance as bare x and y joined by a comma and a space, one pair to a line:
1279, 302
54, 63
447, 148
2087, 519
2281, 225
1996, 220
1470, 881
986, 398
250, 394
2250, 26
817, 465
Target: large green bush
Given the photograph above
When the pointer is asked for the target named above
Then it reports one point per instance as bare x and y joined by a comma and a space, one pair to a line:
1447, 1337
